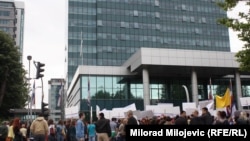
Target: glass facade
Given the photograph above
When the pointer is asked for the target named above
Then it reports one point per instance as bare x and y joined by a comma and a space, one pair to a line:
54, 92
56, 99
108, 32
119, 91
7, 18
21, 33
12, 22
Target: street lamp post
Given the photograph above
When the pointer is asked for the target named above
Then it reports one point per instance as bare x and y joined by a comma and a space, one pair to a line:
29, 58
30, 100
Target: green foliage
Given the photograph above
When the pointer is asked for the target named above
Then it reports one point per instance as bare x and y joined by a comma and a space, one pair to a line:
242, 26
228, 4
13, 85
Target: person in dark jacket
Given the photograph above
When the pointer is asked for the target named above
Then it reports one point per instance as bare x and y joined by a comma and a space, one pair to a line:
206, 117
3, 131
195, 119
72, 130
103, 128
182, 119
131, 119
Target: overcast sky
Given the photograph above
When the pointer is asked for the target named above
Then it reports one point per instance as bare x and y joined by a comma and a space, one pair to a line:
45, 40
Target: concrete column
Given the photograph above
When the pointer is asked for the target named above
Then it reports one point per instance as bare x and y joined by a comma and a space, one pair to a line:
146, 87
238, 89
194, 87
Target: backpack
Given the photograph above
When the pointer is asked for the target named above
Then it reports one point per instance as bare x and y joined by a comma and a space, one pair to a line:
52, 131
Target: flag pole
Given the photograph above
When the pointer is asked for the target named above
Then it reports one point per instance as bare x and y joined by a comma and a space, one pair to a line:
91, 114
81, 49
89, 101
210, 96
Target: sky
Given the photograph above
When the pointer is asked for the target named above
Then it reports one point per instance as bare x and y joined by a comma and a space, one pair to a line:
45, 40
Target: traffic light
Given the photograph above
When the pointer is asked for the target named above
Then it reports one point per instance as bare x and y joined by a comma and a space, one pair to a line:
39, 70
45, 110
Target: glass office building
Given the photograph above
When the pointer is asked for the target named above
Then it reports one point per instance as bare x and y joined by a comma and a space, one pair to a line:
108, 32
12, 21
56, 98
112, 30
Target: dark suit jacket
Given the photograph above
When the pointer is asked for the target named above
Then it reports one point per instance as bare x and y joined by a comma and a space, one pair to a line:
181, 121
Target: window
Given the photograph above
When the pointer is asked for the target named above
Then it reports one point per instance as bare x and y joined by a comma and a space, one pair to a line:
157, 14
158, 26
123, 37
184, 18
123, 24
197, 31
136, 25
157, 3
135, 13
183, 7
99, 23
192, 19
203, 20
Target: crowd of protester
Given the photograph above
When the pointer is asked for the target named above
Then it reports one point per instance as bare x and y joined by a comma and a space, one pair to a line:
106, 129
205, 118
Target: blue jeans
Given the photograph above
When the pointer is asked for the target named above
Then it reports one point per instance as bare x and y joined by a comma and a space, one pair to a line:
91, 138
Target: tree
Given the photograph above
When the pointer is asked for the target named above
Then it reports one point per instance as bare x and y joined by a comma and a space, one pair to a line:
13, 85
241, 25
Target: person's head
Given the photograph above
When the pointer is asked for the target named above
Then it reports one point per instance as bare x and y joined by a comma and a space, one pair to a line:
195, 113
243, 115
50, 122
81, 116
101, 115
223, 115
60, 122
183, 114
204, 110
23, 125
40, 115
218, 114
124, 121
113, 119
68, 122
16, 122
73, 122
130, 113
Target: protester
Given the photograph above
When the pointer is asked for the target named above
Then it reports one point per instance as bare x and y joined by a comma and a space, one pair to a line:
182, 119
60, 131
39, 128
131, 119
91, 131
80, 133
23, 131
51, 131
103, 128
3, 131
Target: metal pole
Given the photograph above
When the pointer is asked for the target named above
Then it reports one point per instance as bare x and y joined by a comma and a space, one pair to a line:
30, 99
42, 89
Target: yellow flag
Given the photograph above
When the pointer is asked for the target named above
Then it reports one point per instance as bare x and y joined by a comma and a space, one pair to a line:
224, 101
